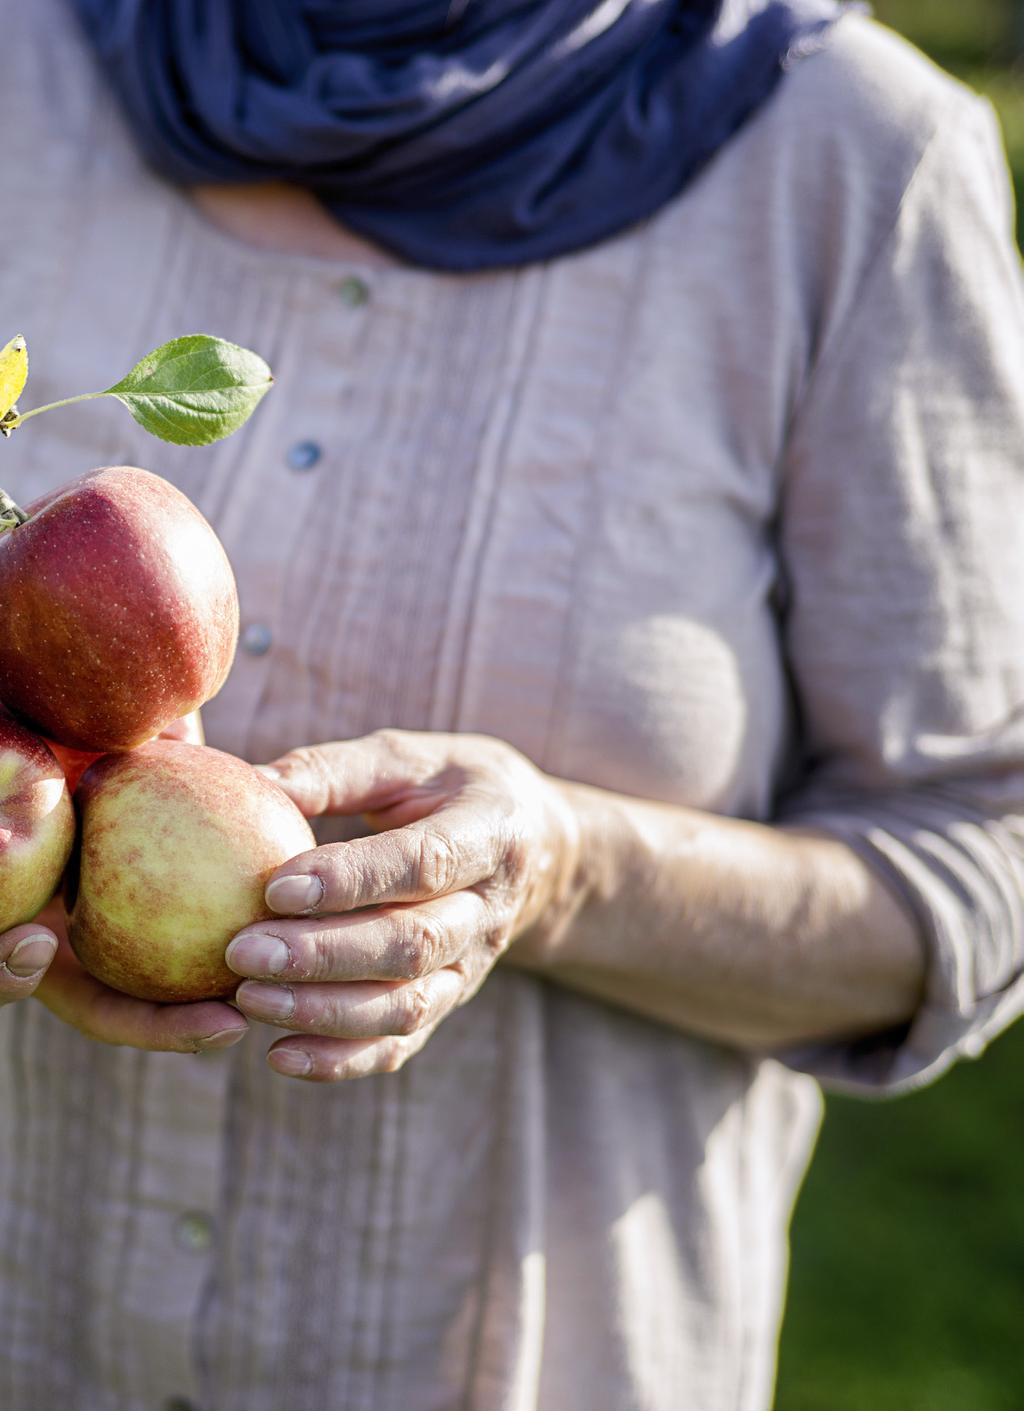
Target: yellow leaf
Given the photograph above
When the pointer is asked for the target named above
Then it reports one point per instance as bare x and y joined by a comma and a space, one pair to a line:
13, 373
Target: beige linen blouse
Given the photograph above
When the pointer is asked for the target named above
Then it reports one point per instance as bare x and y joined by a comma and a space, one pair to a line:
727, 512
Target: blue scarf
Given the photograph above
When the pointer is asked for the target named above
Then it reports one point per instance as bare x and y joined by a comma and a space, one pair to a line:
459, 134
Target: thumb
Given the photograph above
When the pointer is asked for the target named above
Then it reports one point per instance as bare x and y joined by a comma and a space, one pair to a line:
367, 775
25, 953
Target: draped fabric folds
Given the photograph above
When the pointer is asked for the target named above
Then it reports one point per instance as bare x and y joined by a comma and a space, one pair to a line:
460, 134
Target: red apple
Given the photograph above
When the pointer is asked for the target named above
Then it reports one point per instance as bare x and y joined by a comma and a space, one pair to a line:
37, 823
120, 611
176, 845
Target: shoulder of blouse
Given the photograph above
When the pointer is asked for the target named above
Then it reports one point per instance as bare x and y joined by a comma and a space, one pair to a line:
831, 164
873, 92
850, 128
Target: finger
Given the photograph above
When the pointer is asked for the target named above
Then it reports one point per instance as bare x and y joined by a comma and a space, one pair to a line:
360, 1010
321, 1060
104, 1014
188, 728
389, 943
25, 953
457, 847
354, 776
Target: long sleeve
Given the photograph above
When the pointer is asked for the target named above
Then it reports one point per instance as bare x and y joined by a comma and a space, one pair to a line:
901, 534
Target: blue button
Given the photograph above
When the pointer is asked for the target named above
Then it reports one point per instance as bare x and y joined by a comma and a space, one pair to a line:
257, 639
303, 455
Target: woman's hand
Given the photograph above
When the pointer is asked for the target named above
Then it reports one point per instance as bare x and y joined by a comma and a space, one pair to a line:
392, 932
25, 953
108, 1016
99, 1012
36, 959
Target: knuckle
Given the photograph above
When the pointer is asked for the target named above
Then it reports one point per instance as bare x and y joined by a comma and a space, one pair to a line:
413, 1009
316, 960
391, 738
419, 948
437, 863
495, 938
392, 1056
309, 760
401, 746
305, 756
514, 859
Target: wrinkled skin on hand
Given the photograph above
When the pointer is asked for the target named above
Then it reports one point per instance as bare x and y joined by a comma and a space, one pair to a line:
381, 938
377, 940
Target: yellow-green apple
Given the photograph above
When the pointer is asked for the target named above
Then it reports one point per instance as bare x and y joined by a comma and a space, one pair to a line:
37, 823
120, 611
176, 844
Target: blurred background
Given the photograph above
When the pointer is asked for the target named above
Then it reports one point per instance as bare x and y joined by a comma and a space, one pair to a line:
907, 1284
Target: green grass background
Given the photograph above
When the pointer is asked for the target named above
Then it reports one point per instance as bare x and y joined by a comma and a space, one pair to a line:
907, 1282
982, 42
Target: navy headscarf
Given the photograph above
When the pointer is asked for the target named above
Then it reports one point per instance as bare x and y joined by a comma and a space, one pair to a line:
459, 134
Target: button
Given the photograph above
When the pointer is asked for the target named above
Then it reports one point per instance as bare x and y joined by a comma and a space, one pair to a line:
194, 1232
303, 455
257, 639
353, 291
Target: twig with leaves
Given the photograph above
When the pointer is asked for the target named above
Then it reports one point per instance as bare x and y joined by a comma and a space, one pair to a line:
191, 391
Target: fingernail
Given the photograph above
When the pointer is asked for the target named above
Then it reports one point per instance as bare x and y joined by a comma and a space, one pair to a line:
266, 1001
252, 953
268, 771
30, 955
290, 894
292, 1062
223, 1038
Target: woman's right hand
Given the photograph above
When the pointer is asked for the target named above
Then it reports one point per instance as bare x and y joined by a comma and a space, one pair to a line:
25, 954
36, 958
99, 1012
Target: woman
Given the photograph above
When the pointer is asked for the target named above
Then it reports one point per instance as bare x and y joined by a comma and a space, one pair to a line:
681, 539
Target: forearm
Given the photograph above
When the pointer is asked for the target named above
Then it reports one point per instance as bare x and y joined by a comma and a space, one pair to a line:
740, 932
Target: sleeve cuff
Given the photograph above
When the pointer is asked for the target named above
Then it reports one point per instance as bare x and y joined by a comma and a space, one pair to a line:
962, 882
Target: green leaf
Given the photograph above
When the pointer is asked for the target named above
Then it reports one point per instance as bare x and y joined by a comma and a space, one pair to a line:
194, 390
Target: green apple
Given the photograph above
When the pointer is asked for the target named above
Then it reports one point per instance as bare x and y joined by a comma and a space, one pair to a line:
176, 844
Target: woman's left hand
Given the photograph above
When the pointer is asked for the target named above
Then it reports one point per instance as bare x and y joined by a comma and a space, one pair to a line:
391, 932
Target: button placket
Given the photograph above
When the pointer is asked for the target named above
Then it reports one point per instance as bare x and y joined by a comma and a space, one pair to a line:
336, 302
180, 1186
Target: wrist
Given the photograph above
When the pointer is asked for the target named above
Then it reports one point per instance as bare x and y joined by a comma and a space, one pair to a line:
570, 873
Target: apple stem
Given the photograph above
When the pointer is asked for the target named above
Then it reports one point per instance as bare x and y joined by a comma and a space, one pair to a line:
11, 514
